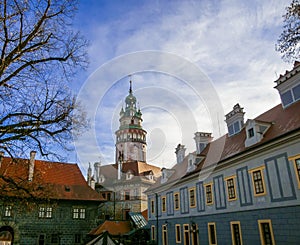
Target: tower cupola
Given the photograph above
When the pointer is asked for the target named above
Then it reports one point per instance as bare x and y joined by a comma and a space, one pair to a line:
130, 137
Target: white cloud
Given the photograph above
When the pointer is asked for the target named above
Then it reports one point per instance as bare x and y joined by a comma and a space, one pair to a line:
231, 41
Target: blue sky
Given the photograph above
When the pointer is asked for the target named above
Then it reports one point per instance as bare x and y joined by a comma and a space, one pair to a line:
232, 42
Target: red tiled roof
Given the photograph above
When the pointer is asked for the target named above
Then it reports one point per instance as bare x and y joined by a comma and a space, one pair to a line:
113, 228
138, 168
282, 121
145, 214
52, 180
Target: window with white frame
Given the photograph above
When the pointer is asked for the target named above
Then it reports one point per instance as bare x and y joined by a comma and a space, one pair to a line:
78, 213
8, 211
45, 212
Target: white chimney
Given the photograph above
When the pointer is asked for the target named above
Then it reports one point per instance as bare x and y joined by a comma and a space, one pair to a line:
93, 183
31, 165
201, 140
180, 153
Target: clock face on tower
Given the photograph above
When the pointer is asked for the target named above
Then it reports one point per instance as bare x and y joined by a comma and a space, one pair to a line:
130, 137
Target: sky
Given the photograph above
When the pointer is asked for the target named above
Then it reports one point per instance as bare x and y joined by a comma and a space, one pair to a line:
190, 62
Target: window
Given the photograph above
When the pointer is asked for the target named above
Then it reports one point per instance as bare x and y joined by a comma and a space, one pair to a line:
258, 181
296, 160
266, 232
127, 195
152, 206
286, 98
194, 233
78, 213
8, 211
296, 92
236, 127
192, 197
45, 212
230, 130
164, 235
231, 192
186, 234
42, 239
77, 238
178, 233
152, 232
236, 233
212, 235
208, 193
176, 201
297, 164
54, 239
163, 204
250, 133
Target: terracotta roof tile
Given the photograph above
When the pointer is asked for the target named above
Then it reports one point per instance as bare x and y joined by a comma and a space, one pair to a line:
59, 180
112, 227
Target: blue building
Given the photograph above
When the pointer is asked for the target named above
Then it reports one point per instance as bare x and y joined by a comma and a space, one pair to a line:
242, 188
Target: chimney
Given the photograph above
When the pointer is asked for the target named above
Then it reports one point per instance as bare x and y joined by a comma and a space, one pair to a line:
180, 153
1, 157
235, 120
201, 140
31, 165
93, 183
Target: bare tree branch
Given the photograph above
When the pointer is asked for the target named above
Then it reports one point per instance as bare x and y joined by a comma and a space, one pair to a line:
288, 43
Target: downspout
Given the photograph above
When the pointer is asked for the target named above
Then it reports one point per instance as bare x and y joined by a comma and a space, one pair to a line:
156, 209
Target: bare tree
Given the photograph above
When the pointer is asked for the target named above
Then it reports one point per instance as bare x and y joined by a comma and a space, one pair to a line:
39, 55
289, 41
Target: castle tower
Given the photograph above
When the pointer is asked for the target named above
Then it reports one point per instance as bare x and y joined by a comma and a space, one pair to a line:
130, 137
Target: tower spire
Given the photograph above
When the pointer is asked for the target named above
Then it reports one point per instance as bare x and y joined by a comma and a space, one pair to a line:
130, 85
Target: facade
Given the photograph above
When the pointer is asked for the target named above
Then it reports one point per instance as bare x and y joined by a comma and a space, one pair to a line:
122, 185
45, 203
242, 188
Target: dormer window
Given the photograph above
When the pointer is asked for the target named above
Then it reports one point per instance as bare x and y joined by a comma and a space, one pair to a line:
288, 86
191, 162
101, 179
290, 96
165, 174
150, 175
235, 120
129, 175
250, 132
234, 128
255, 130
